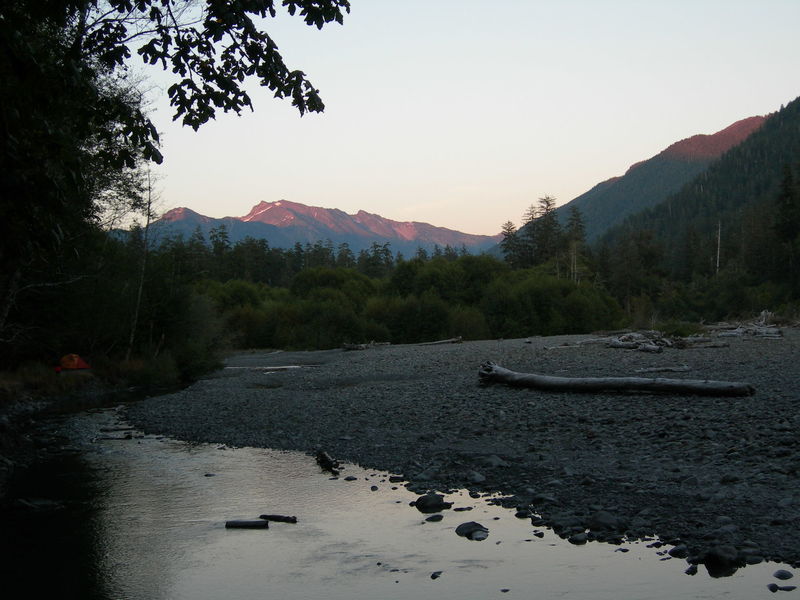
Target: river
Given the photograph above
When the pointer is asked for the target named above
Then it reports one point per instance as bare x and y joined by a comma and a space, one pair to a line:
113, 514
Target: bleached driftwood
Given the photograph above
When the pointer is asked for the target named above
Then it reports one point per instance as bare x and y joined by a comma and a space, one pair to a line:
490, 372
455, 340
678, 369
760, 327
348, 347
634, 345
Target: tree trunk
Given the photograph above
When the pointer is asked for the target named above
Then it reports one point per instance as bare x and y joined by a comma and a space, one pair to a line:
489, 372
142, 271
9, 285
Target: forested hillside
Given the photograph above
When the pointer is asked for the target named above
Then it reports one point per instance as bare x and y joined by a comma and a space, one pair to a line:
650, 182
727, 241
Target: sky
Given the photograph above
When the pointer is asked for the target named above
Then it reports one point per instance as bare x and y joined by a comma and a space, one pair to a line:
462, 113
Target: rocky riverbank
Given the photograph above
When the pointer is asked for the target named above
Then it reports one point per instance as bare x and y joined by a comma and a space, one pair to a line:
715, 478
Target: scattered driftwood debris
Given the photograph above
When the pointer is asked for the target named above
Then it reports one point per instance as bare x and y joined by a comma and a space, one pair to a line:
490, 372
760, 328
278, 518
257, 524
455, 340
327, 463
644, 341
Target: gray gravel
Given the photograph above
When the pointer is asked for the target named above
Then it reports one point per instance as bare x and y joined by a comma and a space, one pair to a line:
715, 478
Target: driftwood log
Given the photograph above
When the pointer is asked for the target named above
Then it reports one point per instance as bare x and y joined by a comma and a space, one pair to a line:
260, 524
278, 518
327, 463
455, 340
490, 372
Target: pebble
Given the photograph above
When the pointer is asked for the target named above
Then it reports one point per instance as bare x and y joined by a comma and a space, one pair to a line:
434, 518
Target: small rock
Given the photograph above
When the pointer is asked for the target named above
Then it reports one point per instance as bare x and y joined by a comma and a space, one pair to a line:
782, 574
543, 499
431, 503
494, 461
475, 477
579, 538
435, 518
472, 531
721, 561
436, 574
680, 551
603, 519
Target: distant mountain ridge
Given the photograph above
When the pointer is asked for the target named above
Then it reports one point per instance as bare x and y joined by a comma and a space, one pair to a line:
650, 182
284, 223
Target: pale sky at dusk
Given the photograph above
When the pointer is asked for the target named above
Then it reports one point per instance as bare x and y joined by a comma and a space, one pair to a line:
462, 113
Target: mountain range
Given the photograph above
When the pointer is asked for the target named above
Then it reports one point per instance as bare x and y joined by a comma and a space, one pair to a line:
284, 223
645, 185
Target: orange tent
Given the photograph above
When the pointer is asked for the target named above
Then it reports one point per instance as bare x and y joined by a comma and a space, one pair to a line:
73, 361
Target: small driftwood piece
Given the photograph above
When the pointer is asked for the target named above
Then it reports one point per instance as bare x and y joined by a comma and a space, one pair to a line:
455, 340
678, 369
259, 524
490, 372
278, 518
351, 347
348, 347
327, 463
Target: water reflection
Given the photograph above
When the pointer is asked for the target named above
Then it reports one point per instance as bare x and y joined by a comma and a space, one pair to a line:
147, 521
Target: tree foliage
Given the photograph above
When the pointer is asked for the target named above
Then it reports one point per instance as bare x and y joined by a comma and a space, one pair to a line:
74, 133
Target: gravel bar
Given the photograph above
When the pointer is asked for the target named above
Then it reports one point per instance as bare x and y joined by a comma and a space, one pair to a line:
715, 478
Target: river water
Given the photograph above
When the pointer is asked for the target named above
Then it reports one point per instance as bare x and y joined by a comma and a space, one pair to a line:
118, 515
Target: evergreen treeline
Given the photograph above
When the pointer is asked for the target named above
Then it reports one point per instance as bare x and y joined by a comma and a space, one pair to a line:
199, 296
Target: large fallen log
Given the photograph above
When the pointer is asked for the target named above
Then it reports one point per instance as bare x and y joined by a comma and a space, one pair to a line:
490, 372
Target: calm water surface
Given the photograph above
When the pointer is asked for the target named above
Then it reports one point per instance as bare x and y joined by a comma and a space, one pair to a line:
144, 518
